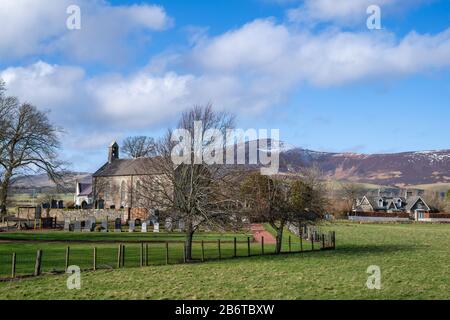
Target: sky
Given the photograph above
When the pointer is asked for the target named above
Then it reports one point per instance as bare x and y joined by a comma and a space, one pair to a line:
310, 68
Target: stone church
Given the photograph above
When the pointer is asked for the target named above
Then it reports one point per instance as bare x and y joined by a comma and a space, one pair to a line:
116, 184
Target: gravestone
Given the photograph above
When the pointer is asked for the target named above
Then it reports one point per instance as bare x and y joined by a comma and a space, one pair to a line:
67, 225
89, 225
144, 227
77, 226
104, 225
118, 225
168, 225
131, 226
156, 227
181, 225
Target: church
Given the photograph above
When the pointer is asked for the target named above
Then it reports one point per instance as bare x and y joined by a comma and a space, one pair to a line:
116, 184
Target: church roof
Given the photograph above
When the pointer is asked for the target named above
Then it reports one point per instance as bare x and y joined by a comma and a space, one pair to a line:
128, 167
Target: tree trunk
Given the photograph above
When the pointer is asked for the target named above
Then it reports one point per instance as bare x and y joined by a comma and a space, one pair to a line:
188, 244
4, 192
279, 239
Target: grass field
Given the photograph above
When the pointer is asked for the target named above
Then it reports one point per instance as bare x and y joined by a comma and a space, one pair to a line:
414, 261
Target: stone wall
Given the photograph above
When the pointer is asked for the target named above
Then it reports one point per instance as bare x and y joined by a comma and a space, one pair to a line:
81, 215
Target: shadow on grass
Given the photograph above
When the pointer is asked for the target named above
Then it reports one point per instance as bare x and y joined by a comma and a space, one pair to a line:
350, 250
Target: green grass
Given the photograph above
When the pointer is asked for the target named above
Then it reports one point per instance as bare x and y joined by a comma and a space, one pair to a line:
54, 244
112, 236
414, 261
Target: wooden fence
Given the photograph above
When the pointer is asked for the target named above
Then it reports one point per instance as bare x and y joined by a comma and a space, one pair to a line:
151, 253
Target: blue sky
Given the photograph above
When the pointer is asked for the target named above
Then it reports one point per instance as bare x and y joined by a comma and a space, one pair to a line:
310, 68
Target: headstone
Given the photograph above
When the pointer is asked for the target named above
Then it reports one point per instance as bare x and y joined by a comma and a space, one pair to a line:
181, 225
67, 225
144, 227
104, 225
90, 224
77, 226
168, 225
156, 228
118, 225
131, 226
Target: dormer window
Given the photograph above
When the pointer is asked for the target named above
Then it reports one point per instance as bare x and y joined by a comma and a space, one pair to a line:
399, 203
380, 203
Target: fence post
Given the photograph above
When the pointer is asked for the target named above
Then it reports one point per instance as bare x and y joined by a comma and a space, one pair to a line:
37, 266
248, 246
167, 253
13, 265
301, 242
123, 256
146, 254
220, 251
262, 245
95, 259
184, 252
235, 247
312, 243
290, 244
323, 241
142, 254
203, 251
119, 256
67, 257
333, 239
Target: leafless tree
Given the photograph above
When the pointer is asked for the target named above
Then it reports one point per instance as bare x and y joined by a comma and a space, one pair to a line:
351, 192
202, 196
139, 146
267, 199
435, 201
279, 200
29, 143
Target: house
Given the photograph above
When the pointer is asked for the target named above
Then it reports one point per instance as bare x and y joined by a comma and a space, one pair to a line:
414, 205
83, 195
117, 183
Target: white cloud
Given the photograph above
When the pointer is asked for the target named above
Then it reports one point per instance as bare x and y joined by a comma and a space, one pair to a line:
276, 56
31, 27
244, 70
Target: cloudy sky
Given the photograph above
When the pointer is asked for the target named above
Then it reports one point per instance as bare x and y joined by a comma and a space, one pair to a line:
310, 68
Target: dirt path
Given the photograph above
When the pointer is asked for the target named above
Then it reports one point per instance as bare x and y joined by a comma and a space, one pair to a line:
259, 232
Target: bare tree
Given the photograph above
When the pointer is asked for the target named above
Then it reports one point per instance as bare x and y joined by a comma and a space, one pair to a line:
351, 193
267, 199
435, 201
29, 143
281, 200
200, 195
139, 146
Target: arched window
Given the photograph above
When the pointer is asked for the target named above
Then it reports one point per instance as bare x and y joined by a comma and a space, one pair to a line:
123, 190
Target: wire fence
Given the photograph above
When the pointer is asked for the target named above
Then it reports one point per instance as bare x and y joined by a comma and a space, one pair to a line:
34, 260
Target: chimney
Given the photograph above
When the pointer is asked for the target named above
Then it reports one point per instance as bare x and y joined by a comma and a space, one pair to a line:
113, 153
